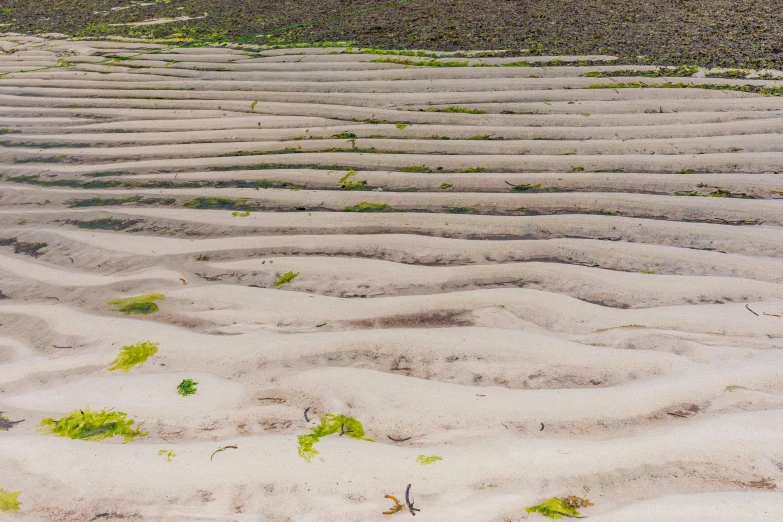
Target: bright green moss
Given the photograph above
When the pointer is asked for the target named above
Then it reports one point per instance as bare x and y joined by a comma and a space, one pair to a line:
9, 500
138, 305
133, 355
330, 424
187, 387
93, 425
424, 460
286, 278
246, 213
369, 207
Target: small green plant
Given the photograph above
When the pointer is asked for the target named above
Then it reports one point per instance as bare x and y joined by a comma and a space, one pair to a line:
455, 109
482, 137
424, 460
246, 213
138, 305
401, 126
133, 355
168, 453
187, 387
648, 271
416, 168
685, 171
577, 169
557, 508
329, 425
93, 425
446, 185
9, 500
253, 105
368, 207
473, 170
286, 278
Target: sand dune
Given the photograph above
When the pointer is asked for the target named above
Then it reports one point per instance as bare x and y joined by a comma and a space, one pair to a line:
558, 290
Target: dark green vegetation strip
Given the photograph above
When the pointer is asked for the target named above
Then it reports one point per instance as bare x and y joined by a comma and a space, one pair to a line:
729, 33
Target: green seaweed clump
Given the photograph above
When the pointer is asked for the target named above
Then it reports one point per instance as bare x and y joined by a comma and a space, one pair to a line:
221, 204
138, 305
9, 500
133, 355
93, 425
329, 425
557, 508
416, 168
368, 207
424, 460
286, 278
168, 453
187, 387
107, 223
454, 109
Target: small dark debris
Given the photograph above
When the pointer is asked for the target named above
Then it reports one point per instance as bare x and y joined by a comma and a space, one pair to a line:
398, 440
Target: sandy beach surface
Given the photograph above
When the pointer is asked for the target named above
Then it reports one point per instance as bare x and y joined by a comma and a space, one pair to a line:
558, 290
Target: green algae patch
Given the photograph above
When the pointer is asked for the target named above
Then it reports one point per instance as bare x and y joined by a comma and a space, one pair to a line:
557, 508
187, 387
286, 278
221, 204
421, 169
138, 305
330, 424
133, 355
93, 425
424, 460
9, 500
368, 207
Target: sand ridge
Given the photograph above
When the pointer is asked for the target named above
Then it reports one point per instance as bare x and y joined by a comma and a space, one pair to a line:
559, 290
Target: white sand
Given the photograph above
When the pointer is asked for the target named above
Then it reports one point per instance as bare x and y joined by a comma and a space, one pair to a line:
599, 334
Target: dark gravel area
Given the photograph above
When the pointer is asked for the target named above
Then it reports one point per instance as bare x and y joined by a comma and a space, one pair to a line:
729, 33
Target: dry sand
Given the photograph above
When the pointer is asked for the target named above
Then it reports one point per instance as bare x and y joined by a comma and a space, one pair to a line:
596, 332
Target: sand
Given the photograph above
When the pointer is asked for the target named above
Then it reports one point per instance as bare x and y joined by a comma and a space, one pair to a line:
579, 292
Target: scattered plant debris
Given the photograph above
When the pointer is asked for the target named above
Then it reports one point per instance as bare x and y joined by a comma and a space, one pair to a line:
398, 440
102, 202
347, 184
93, 425
224, 448
286, 278
397, 506
6, 424
345, 136
133, 355
305, 414
168, 453
138, 305
409, 501
329, 425
524, 187
9, 500
107, 223
681, 71
425, 460
30, 248
187, 387
557, 508
473, 170
751, 311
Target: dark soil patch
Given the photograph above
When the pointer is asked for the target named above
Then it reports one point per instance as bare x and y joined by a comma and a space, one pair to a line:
732, 33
